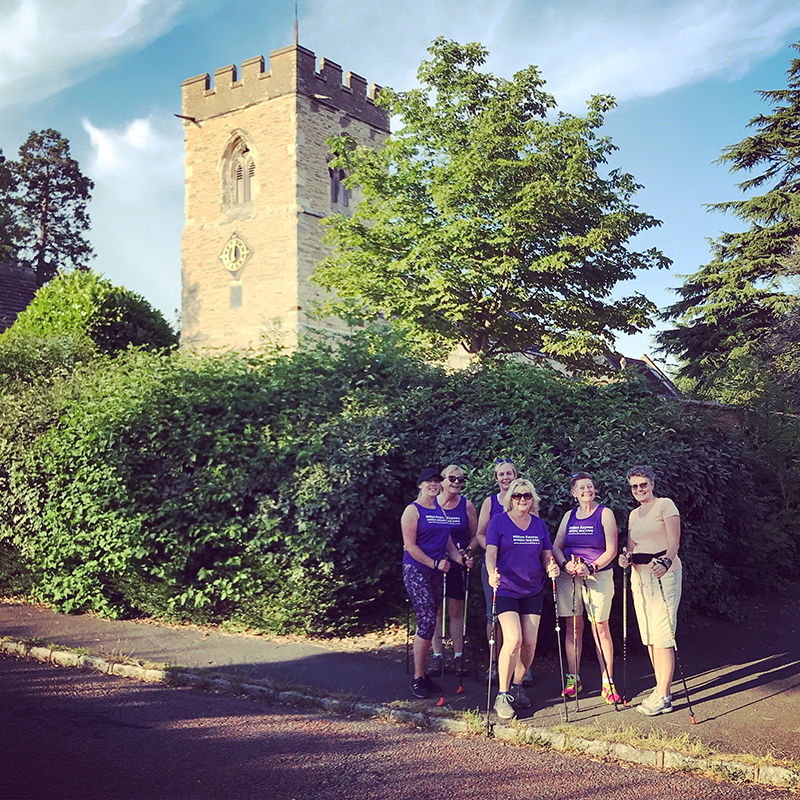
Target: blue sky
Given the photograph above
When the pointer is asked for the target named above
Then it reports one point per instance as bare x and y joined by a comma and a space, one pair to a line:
107, 74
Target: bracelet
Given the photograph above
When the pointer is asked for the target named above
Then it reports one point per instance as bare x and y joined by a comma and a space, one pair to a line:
592, 568
436, 563
564, 564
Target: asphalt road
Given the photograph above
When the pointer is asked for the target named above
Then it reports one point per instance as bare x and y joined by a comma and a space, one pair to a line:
75, 734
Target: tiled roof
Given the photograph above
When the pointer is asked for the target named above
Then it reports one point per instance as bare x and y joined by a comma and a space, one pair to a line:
17, 288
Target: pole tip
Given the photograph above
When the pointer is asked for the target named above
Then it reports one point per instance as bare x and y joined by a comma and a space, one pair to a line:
694, 721
441, 701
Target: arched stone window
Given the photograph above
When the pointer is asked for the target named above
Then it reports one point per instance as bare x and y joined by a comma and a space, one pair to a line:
238, 172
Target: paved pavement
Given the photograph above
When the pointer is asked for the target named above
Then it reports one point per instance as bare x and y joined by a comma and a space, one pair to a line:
75, 734
743, 678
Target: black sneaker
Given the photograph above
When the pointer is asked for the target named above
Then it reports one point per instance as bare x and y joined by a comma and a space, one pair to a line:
430, 685
458, 666
419, 689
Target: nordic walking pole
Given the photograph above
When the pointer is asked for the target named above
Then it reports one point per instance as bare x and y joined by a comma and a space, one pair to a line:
575, 641
408, 632
464, 632
489, 726
560, 653
675, 648
587, 599
444, 624
625, 632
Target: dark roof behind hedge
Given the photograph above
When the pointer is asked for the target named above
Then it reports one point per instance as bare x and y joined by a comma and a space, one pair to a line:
17, 288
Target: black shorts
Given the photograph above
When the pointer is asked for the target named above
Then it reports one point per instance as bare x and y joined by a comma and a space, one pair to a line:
455, 581
532, 604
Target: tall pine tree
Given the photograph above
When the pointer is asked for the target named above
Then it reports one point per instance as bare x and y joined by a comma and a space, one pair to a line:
52, 200
736, 317
9, 229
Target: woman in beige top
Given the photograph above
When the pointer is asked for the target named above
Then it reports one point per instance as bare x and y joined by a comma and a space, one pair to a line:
654, 536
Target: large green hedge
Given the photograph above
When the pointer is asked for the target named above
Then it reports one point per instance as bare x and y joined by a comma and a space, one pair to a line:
269, 489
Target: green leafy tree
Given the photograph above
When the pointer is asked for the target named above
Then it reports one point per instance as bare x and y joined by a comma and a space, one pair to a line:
9, 228
487, 222
736, 322
52, 200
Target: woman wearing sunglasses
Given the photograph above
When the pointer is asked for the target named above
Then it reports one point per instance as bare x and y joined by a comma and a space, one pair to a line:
519, 555
585, 548
654, 536
463, 520
505, 472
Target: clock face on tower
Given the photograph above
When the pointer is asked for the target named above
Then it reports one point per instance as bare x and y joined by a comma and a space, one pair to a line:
235, 254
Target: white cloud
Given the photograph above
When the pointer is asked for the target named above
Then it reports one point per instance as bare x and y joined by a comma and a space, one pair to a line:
137, 206
47, 45
629, 48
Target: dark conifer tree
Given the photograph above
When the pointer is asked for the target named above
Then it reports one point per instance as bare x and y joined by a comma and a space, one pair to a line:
736, 316
52, 199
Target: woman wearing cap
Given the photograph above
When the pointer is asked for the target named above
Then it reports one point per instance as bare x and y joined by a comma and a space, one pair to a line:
519, 556
654, 536
505, 472
585, 549
427, 545
463, 521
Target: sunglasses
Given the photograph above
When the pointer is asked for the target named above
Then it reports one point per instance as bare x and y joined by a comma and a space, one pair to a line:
456, 479
635, 486
503, 461
522, 496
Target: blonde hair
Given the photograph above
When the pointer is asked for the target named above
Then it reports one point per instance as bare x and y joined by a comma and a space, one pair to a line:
448, 469
516, 485
501, 462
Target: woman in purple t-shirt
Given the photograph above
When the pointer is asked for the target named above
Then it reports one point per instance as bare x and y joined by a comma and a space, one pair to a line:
585, 548
519, 556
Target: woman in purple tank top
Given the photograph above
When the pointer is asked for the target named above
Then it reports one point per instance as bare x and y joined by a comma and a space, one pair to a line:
427, 551
463, 519
585, 549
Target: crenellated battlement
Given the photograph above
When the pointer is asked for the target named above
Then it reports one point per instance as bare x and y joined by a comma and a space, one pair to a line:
292, 70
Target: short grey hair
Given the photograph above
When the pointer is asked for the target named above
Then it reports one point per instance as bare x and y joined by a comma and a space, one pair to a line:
642, 471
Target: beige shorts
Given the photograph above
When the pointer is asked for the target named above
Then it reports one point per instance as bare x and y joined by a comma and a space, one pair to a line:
653, 618
599, 592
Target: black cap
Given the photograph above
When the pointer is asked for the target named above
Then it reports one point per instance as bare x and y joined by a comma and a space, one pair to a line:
429, 473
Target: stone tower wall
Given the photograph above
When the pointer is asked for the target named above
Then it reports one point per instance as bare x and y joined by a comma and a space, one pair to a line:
284, 117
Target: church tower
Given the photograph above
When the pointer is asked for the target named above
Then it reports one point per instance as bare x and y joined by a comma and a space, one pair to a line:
258, 182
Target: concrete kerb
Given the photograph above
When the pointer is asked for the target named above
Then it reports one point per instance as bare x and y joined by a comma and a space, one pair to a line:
723, 766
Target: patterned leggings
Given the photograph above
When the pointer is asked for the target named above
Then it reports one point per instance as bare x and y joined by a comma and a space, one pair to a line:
425, 592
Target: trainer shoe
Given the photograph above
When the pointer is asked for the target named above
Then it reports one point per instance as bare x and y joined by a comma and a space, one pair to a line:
521, 700
437, 664
610, 694
528, 679
655, 705
419, 689
458, 666
504, 706
430, 685
573, 685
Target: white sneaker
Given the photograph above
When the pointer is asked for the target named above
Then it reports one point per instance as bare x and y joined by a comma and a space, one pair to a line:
655, 705
504, 706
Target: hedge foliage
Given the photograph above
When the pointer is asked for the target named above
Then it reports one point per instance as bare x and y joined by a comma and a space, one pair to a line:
81, 305
268, 488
